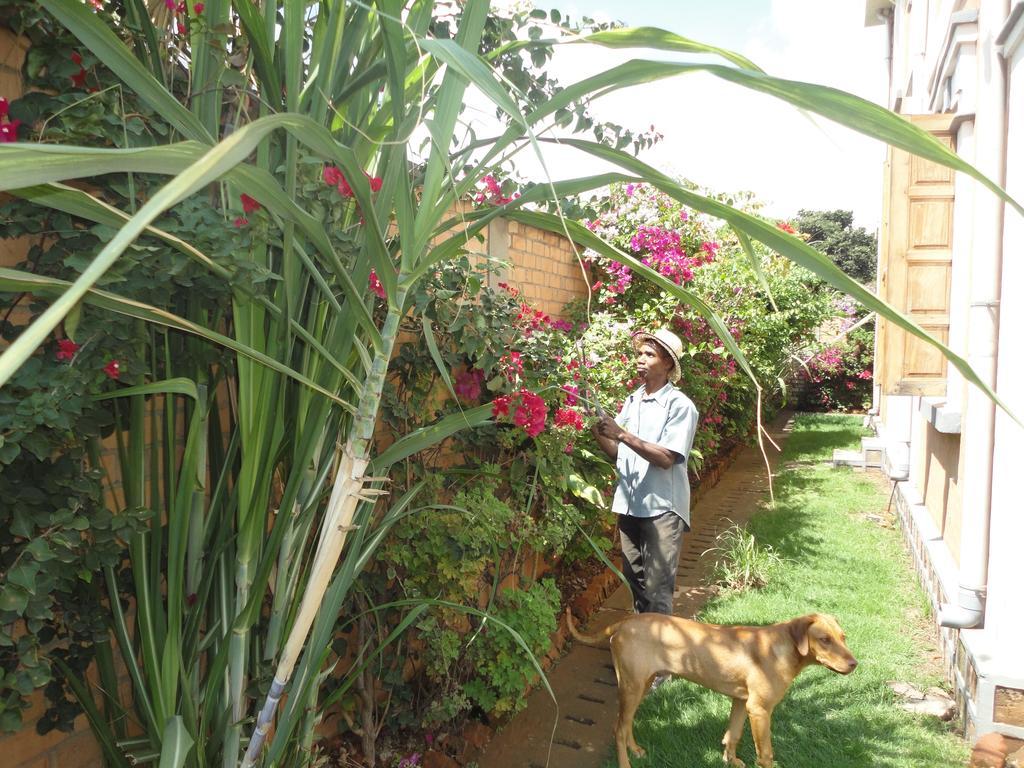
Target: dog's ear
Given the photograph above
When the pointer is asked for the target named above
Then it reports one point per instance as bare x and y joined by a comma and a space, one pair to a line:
798, 628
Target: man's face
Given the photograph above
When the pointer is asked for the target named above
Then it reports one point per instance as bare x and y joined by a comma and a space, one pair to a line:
652, 363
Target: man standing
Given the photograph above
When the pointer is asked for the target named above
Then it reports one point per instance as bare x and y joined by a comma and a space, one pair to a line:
650, 441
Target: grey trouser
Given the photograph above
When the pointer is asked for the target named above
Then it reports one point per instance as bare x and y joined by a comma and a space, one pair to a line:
650, 558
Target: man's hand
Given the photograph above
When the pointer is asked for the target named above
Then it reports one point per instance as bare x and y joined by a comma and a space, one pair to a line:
606, 427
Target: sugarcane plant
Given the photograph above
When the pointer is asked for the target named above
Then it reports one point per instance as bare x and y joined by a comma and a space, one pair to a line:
264, 518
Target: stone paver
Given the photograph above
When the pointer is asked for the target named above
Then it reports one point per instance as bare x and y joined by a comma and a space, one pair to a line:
577, 732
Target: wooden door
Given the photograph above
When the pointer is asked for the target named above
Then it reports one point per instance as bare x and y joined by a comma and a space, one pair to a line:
915, 264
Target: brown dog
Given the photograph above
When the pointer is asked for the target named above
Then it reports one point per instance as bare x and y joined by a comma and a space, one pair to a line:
752, 665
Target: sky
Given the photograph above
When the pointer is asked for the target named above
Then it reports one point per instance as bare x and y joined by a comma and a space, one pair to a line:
727, 138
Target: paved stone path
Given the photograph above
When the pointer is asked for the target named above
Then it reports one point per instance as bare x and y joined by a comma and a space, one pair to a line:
578, 734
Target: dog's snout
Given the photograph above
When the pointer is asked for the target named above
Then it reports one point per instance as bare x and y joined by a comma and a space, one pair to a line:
851, 664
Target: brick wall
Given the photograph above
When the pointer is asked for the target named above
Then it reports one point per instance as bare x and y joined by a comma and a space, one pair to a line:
545, 266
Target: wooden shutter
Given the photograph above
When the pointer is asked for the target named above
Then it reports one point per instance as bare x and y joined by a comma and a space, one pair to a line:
915, 264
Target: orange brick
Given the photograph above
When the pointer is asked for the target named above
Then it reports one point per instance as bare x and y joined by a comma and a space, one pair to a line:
78, 751
26, 745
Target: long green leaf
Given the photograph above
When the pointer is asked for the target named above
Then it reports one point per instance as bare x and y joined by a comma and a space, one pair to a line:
435, 354
177, 386
652, 38
177, 743
755, 264
78, 202
17, 281
96, 721
425, 437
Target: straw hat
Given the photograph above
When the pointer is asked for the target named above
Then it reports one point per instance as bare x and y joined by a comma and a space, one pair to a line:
667, 341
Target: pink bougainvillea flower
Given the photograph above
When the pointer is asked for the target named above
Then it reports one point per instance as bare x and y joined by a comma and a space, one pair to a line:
512, 364
531, 413
4, 106
171, 5
572, 393
113, 369
198, 8
375, 182
249, 204
468, 384
376, 286
97, 5
66, 349
492, 193
240, 221
332, 176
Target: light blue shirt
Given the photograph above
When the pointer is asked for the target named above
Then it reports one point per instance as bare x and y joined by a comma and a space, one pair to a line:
667, 418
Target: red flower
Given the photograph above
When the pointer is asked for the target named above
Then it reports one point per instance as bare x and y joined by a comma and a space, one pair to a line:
66, 349
241, 221
569, 417
76, 57
79, 80
343, 188
4, 106
113, 369
332, 176
97, 5
532, 413
375, 182
571, 394
376, 286
198, 8
785, 226
500, 406
9, 131
249, 204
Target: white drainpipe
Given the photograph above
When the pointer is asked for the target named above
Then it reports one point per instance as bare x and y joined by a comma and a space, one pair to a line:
982, 324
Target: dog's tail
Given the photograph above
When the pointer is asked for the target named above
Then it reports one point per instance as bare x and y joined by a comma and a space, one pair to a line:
599, 640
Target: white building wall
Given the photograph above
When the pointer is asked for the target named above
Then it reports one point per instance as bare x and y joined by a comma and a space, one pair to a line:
1005, 613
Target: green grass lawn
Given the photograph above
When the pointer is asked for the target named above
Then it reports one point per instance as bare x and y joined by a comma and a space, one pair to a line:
835, 561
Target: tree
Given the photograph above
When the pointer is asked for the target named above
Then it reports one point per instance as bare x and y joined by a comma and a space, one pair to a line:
853, 249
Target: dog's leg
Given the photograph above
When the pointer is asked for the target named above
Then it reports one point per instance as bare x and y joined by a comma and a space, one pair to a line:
761, 729
735, 732
631, 692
